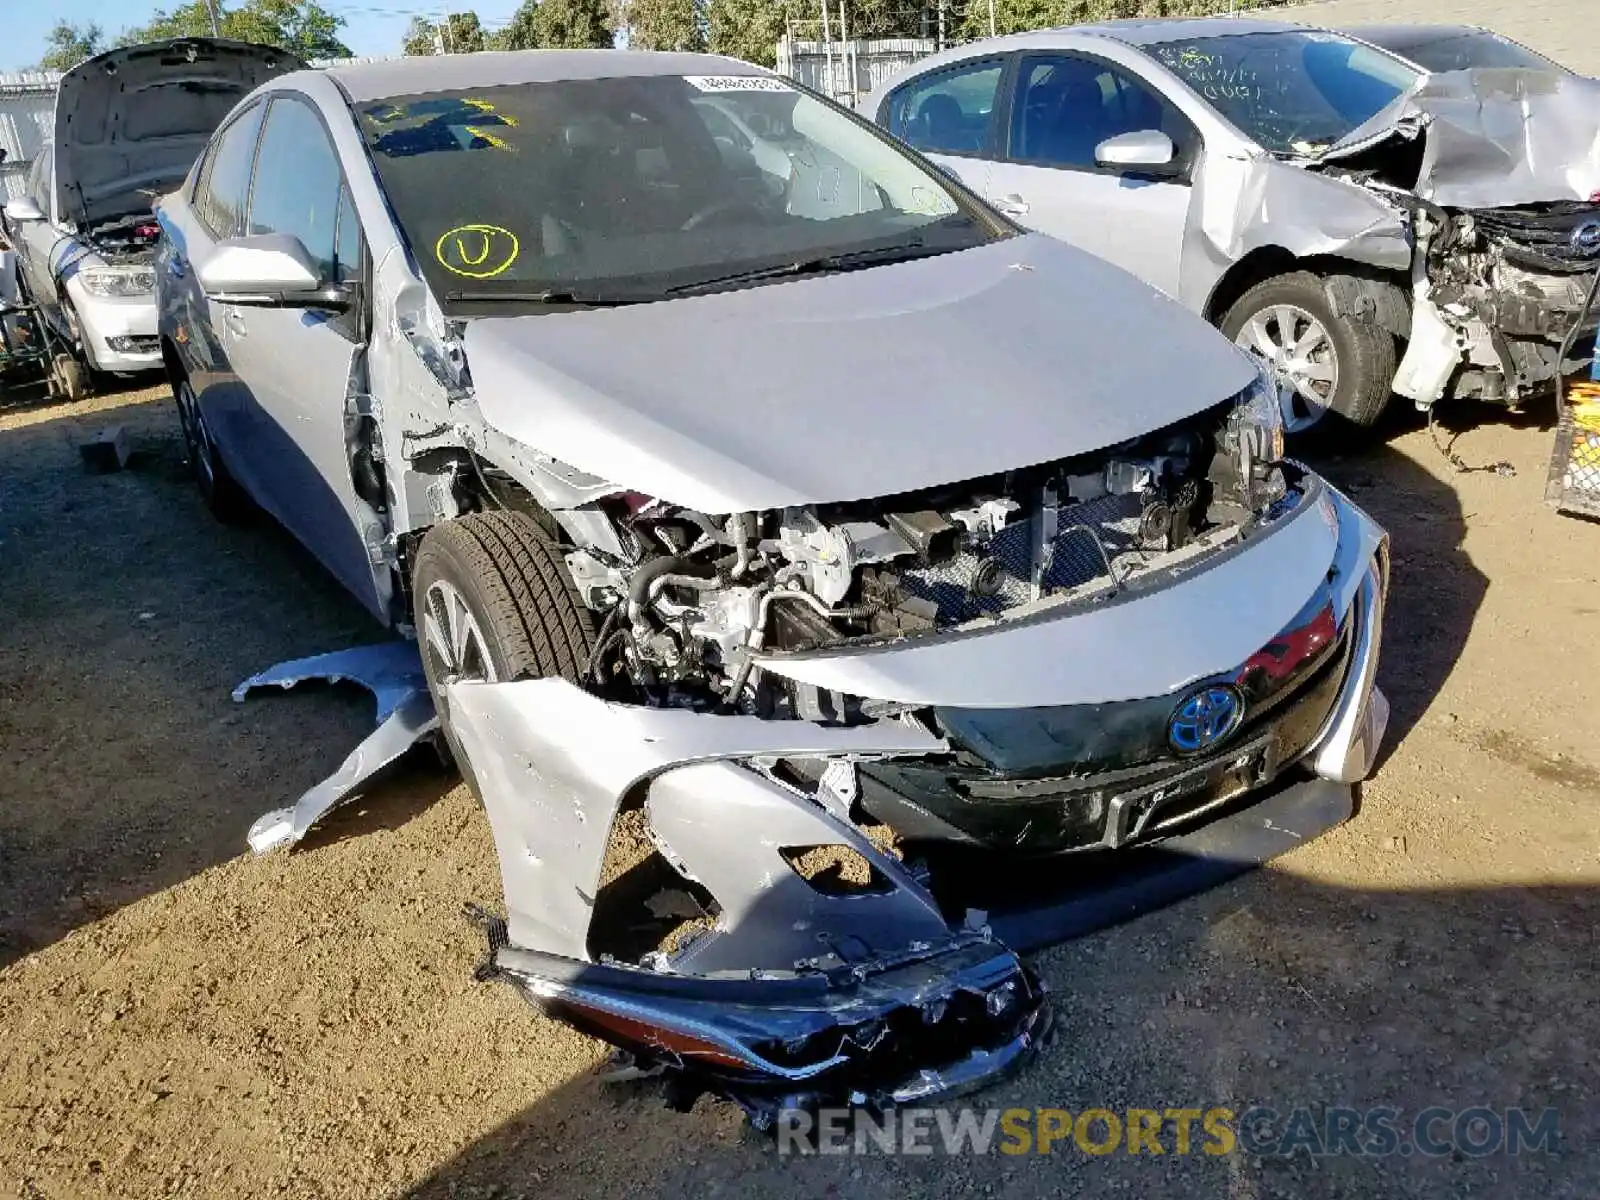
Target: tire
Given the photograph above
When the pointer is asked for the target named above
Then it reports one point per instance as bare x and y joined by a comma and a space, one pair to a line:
219, 492
526, 619
1358, 355
70, 377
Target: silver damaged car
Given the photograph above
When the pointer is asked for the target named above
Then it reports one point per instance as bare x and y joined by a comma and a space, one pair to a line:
1364, 227
775, 514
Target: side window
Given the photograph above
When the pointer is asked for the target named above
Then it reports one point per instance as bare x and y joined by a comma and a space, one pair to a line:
949, 112
347, 246
1065, 107
224, 185
298, 188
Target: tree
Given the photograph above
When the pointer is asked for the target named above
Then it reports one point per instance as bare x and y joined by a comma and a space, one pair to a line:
302, 27
70, 44
420, 37
460, 33
747, 29
558, 24
665, 24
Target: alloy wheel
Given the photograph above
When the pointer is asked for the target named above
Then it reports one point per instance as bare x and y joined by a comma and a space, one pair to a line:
1300, 352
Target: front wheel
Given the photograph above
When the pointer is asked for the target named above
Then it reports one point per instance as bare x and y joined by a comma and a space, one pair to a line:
1327, 365
494, 602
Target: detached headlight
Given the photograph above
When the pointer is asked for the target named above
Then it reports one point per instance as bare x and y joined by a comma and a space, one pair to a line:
118, 281
1258, 420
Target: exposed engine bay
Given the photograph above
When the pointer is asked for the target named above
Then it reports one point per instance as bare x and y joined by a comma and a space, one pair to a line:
1513, 281
692, 598
130, 240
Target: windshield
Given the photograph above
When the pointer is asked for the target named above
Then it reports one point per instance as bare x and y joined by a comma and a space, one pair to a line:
632, 188
1465, 49
1293, 92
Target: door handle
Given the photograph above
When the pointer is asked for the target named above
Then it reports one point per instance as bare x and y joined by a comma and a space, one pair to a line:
1012, 205
234, 320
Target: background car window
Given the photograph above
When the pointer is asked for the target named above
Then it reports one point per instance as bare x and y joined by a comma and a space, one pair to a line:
1463, 51
1066, 107
298, 188
223, 188
947, 113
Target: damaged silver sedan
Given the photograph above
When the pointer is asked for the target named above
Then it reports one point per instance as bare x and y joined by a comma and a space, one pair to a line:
1364, 227
761, 524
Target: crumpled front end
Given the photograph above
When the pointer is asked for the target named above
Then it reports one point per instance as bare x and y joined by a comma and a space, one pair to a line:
788, 987
722, 891
1497, 174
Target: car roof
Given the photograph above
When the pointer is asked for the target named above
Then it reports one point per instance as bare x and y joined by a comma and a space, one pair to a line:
1150, 31
420, 74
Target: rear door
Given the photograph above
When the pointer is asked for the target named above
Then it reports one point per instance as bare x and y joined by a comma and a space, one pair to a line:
300, 366
215, 211
952, 116
1062, 107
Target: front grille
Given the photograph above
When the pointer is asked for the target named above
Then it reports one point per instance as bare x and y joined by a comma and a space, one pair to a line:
1544, 237
1034, 813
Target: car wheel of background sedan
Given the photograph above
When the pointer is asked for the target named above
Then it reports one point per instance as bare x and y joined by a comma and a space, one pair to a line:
1324, 362
494, 601
224, 497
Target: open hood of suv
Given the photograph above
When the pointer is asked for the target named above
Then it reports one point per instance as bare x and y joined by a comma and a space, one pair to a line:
130, 122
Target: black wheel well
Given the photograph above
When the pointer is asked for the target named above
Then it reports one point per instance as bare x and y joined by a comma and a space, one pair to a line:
1256, 267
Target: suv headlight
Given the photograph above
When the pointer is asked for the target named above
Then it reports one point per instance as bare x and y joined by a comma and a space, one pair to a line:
118, 281
1258, 419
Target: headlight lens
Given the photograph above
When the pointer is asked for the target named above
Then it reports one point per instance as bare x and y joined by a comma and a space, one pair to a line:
118, 281
1258, 416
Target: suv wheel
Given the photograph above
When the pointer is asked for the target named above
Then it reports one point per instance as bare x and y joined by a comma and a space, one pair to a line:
1325, 363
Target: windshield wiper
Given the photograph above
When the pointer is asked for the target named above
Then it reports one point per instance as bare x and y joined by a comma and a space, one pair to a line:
546, 296
853, 260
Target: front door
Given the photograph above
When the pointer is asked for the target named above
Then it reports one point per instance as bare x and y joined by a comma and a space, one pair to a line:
1063, 107
951, 116
300, 367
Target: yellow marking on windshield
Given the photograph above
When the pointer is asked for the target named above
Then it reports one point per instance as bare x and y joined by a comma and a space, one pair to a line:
477, 251
477, 132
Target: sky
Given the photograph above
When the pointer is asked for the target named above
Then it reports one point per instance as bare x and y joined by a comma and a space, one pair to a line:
371, 26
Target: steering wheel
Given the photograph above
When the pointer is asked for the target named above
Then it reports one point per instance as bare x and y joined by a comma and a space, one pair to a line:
717, 207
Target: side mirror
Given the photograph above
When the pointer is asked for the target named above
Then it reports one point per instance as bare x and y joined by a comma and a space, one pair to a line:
949, 170
268, 270
23, 209
1143, 150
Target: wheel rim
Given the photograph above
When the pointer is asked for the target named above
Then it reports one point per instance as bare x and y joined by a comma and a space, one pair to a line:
194, 434
454, 643
1300, 353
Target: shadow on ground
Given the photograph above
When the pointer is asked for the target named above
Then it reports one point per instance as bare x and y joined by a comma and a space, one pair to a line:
127, 615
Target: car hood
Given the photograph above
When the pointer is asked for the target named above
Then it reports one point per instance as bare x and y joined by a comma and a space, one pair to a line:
854, 385
130, 122
1491, 138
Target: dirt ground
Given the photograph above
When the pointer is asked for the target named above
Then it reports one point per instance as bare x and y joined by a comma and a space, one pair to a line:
177, 1018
